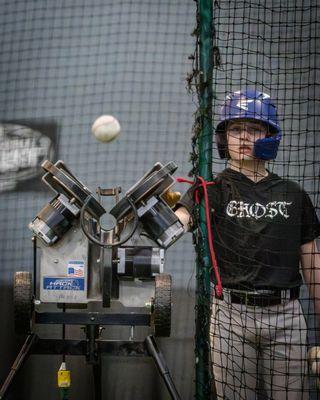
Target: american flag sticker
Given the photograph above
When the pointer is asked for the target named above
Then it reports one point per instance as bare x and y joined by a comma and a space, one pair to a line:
76, 268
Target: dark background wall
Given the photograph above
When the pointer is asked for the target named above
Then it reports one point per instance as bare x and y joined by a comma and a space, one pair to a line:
65, 63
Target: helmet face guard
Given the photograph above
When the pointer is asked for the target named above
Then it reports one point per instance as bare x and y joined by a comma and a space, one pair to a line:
253, 105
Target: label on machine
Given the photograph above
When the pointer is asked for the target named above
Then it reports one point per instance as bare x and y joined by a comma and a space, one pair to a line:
76, 268
54, 283
64, 269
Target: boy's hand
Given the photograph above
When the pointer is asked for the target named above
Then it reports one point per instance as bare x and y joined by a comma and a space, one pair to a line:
314, 362
171, 197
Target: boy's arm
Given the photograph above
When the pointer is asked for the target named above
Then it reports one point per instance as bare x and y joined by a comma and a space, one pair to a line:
173, 200
310, 262
185, 217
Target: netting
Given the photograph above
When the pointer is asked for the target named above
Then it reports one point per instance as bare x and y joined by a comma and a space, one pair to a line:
63, 64
264, 329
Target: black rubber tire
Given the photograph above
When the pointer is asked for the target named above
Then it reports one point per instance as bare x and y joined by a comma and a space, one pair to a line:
161, 316
22, 302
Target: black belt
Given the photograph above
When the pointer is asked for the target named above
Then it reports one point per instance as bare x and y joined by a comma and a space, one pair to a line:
263, 298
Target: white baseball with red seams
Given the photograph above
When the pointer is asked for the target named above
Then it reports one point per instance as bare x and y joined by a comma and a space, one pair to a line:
106, 128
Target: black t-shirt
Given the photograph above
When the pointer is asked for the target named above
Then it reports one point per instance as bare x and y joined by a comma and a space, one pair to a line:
258, 229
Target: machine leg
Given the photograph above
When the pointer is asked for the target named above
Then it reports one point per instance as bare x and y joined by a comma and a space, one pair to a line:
93, 357
21, 358
97, 381
161, 365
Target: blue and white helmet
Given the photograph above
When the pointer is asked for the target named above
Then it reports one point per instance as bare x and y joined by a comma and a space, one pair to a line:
254, 105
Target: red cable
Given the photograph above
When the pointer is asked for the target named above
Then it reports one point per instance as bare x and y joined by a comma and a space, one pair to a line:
204, 184
179, 179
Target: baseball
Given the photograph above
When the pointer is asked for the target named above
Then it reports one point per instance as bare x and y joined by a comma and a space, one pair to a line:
106, 128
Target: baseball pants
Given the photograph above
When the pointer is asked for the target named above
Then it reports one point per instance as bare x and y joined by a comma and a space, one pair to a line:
258, 350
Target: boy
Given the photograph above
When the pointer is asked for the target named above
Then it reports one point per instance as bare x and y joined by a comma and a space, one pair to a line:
263, 228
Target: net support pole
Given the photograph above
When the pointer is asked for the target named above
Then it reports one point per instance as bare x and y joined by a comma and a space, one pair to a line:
205, 92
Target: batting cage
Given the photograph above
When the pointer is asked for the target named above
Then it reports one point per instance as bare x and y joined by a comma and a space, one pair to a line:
258, 262
218, 100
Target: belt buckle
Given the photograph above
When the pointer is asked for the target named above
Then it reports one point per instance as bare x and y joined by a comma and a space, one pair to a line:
246, 299
250, 301
243, 295
253, 300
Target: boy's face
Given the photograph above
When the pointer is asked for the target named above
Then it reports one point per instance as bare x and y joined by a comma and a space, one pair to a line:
241, 136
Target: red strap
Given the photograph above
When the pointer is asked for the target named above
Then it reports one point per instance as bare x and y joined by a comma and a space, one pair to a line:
204, 184
196, 192
179, 179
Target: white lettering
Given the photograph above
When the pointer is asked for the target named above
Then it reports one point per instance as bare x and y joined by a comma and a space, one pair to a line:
271, 209
232, 209
243, 103
257, 210
283, 208
241, 209
22, 153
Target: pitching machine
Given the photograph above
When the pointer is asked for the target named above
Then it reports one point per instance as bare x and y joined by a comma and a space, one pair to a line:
81, 270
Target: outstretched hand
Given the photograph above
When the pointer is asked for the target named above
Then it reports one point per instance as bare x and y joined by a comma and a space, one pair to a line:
171, 197
314, 362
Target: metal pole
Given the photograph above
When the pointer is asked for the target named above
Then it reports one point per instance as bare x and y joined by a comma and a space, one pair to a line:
17, 365
160, 362
34, 243
205, 18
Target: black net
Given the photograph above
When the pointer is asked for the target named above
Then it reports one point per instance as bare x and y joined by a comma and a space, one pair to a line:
65, 63
264, 202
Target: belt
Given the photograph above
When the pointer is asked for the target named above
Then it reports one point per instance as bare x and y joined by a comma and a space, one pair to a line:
261, 298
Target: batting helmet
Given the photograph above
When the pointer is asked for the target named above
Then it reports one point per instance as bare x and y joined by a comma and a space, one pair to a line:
254, 105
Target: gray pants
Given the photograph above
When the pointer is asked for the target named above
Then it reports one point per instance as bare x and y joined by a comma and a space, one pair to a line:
259, 347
